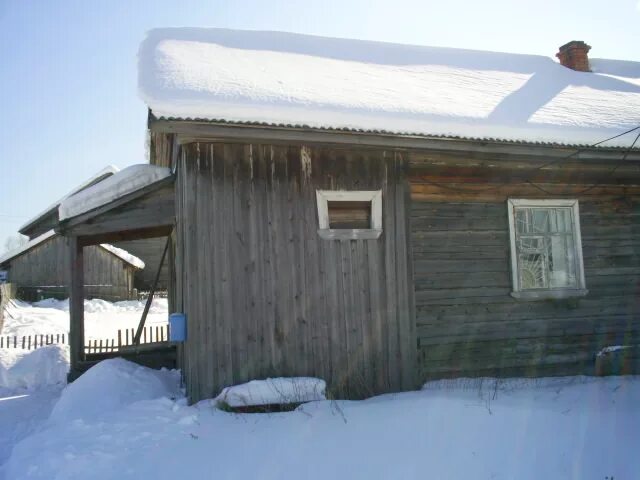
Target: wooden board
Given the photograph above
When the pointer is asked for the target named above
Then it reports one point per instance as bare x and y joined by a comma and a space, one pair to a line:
265, 295
467, 322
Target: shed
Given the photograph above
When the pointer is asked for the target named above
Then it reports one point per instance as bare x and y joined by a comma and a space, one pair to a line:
40, 268
378, 215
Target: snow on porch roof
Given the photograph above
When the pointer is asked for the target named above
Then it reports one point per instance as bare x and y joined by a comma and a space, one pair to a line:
122, 183
99, 176
300, 80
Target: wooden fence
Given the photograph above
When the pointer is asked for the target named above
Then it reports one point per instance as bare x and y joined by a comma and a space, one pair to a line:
33, 341
150, 334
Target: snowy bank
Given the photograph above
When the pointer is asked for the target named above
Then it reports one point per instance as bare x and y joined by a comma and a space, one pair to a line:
112, 385
103, 319
274, 391
279, 78
31, 369
552, 429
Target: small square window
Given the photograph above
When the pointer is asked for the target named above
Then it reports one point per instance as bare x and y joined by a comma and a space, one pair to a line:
546, 250
349, 215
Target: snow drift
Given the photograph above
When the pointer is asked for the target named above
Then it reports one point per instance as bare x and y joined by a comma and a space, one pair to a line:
112, 385
31, 369
552, 429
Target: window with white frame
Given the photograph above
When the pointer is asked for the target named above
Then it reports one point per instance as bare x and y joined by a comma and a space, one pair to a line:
546, 249
349, 215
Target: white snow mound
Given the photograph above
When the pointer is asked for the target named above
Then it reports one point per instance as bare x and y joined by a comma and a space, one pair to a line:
274, 391
112, 385
31, 369
549, 429
122, 183
301, 80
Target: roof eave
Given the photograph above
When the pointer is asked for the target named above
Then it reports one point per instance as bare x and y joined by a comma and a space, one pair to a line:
190, 130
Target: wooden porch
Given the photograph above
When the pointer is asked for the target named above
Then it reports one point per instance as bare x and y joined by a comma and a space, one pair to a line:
146, 213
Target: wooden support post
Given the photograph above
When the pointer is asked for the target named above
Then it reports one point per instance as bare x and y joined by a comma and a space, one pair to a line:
136, 340
76, 305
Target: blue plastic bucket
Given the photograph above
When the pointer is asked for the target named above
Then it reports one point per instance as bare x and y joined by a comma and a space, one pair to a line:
177, 327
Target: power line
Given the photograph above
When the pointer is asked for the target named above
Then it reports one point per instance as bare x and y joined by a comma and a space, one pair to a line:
578, 151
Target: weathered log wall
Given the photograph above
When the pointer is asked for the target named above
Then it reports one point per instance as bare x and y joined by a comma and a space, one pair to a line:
467, 323
265, 295
43, 271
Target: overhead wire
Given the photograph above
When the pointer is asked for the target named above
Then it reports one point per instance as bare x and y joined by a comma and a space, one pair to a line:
576, 152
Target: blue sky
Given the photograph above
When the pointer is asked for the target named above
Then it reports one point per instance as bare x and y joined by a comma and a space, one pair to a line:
68, 94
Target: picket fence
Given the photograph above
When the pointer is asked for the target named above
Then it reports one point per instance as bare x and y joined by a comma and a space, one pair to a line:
150, 334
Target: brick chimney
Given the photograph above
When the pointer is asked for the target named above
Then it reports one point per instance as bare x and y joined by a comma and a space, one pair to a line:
575, 55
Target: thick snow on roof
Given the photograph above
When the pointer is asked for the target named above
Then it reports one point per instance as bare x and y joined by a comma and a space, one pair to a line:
124, 255
126, 181
102, 174
284, 78
27, 246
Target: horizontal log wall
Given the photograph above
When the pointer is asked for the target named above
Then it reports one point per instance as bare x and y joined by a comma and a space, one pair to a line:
467, 323
43, 271
265, 295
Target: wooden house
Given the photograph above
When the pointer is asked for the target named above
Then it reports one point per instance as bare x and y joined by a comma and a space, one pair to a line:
379, 215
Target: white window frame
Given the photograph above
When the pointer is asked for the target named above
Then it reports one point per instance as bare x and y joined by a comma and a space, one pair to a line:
323, 198
550, 293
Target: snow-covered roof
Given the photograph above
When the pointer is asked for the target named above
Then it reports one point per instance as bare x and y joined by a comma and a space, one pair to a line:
300, 80
124, 255
26, 247
118, 252
102, 174
124, 182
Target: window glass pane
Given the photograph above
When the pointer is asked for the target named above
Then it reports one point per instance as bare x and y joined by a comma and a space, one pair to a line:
532, 271
522, 223
540, 220
546, 256
562, 262
564, 220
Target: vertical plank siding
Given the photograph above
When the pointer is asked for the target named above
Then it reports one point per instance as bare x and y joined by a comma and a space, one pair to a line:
467, 322
43, 271
265, 295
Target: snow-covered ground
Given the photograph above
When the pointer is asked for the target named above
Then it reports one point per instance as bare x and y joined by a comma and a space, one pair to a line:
102, 319
121, 420
30, 384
